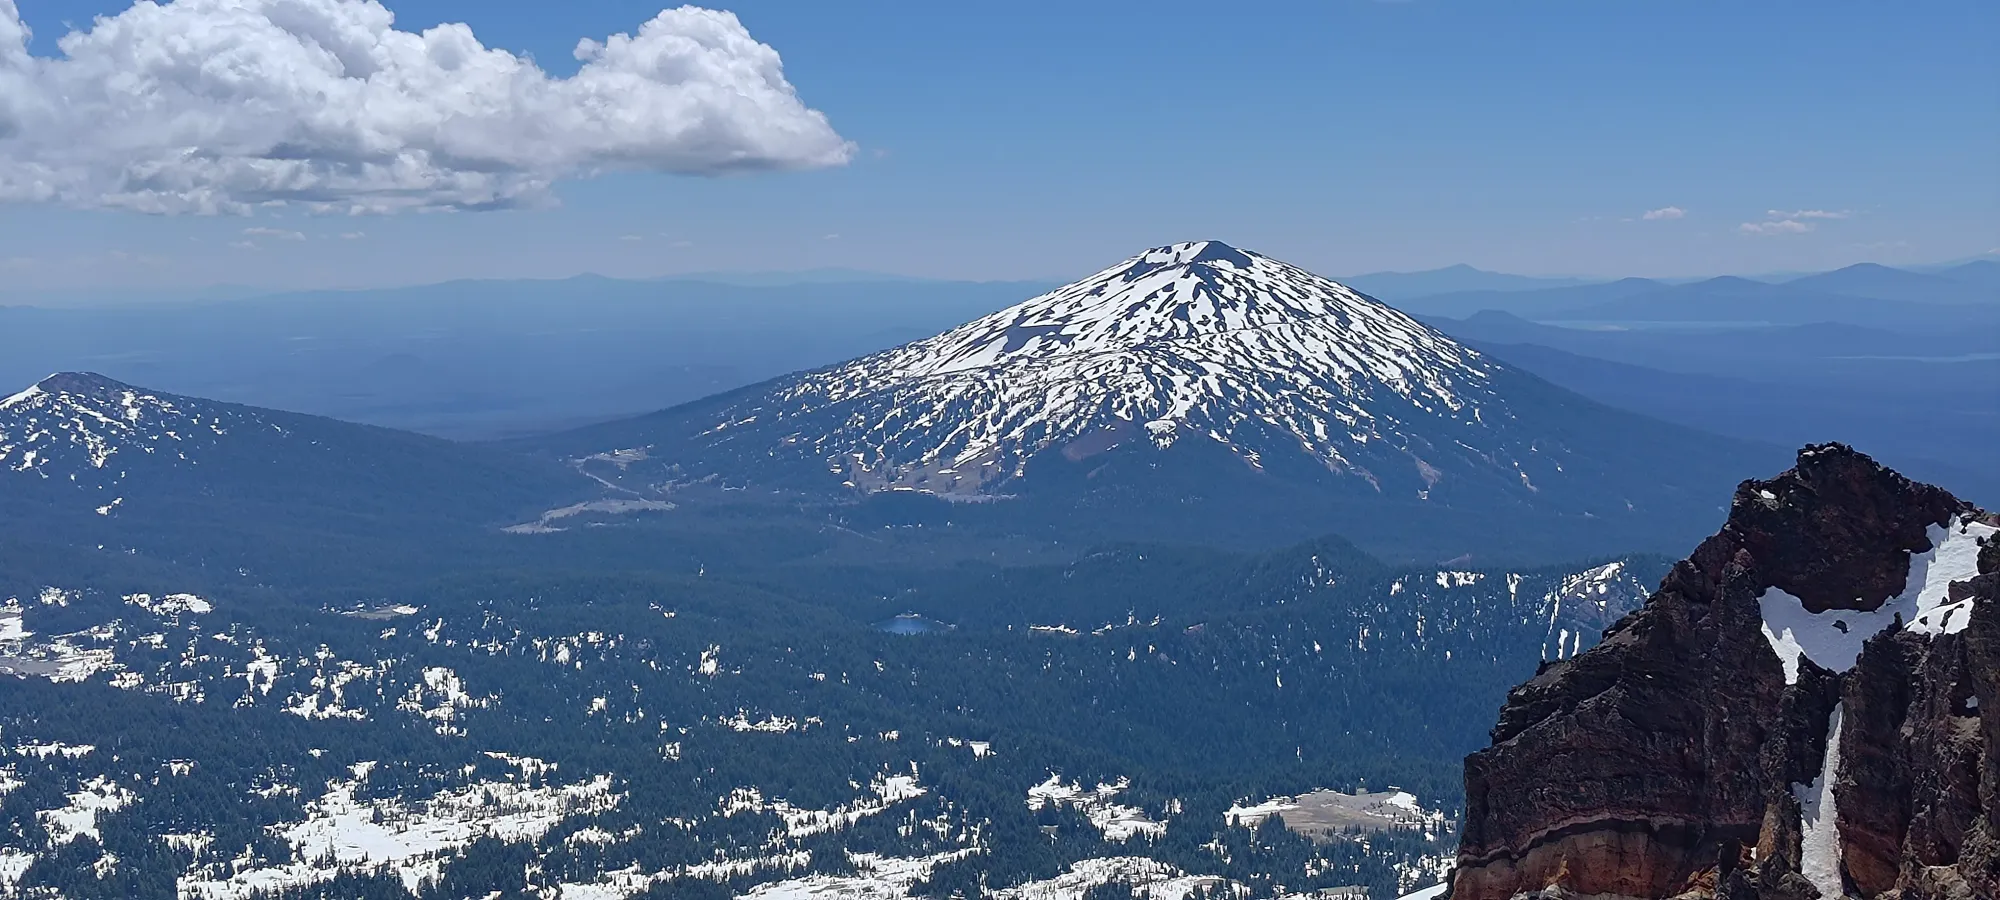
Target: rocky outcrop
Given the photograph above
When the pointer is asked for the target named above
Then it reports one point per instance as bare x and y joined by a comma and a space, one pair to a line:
1806, 708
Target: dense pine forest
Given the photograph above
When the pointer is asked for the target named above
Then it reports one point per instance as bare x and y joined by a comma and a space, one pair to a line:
692, 724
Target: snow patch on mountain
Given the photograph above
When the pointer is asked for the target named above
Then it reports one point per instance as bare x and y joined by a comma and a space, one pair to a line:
12, 627
171, 604
1833, 638
13, 864
98, 796
888, 790
1117, 822
1590, 600
442, 698
411, 839
546, 523
1819, 834
70, 657
876, 877
55, 749
1148, 878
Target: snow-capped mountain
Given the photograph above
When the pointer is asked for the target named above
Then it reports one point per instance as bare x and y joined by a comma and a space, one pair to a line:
1194, 351
1196, 341
80, 443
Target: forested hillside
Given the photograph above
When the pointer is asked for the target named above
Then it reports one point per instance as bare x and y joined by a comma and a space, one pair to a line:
701, 733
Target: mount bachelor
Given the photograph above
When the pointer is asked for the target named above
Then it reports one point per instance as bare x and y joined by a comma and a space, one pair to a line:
1218, 384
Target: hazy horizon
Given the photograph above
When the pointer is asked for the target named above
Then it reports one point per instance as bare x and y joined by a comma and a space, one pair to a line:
112, 295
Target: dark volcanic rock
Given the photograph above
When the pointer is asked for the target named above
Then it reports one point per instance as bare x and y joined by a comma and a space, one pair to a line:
1837, 531
1874, 793
1678, 759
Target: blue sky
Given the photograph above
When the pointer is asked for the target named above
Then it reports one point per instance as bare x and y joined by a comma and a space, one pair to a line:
1040, 140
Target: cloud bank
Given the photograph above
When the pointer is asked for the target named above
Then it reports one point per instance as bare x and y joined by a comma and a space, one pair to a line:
223, 106
1664, 212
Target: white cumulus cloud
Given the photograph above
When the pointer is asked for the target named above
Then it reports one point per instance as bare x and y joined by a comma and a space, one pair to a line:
222, 106
1664, 212
1781, 226
1800, 221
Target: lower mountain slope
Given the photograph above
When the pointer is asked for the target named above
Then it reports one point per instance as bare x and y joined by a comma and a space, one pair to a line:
1808, 707
1200, 392
85, 460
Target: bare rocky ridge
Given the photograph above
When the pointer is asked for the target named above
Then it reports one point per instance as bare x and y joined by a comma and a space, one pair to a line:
1686, 757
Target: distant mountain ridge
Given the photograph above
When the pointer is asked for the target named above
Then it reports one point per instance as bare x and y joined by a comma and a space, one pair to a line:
1530, 303
1862, 294
1732, 299
1959, 284
1402, 286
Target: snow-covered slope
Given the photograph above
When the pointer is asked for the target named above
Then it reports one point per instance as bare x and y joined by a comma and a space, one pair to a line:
1168, 362
89, 431
1196, 341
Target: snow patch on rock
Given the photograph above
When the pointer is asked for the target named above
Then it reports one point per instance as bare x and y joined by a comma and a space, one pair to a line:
1819, 826
1115, 821
1833, 639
